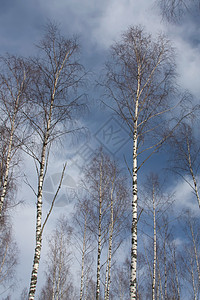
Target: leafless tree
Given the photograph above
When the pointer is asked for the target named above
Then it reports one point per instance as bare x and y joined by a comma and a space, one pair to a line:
83, 242
56, 75
59, 284
14, 81
140, 77
156, 204
189, 254
174, 10
107, 211
121, 277
9, 255
185, 158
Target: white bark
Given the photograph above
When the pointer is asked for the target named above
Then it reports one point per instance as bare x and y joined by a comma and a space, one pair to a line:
99, 237
176, 274
38, 247
138, 87
160, 281
7, 167
108, 270
38, 226
195, 251
59, 266
83, 257
54, 279
193, 281
133, 282
192, 173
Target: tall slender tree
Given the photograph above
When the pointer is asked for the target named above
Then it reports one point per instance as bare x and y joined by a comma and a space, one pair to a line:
156, 206
107, 211
59, 283
84, 242
56, 75
140, 78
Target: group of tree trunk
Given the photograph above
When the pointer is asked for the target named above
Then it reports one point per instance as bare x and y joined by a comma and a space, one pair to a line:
39, 101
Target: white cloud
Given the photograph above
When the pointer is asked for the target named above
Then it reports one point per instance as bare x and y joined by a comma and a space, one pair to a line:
188, 59
102, 22
184, 196
119, 15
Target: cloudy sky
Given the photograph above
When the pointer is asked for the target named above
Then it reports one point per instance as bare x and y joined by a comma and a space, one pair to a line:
98, 24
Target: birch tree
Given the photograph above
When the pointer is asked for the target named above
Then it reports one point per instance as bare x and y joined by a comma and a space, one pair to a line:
56, 75
189, 255
59, 283
174, 10
185, 158
120, 281
166, 272
156, 204
9, 255
84, 243
189, 275
118, 223
107, 195
96, 182
139, 81
14, 82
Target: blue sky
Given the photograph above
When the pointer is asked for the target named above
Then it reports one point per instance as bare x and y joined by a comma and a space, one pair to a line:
98, 24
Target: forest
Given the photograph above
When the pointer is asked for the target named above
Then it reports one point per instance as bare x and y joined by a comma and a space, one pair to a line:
118, 218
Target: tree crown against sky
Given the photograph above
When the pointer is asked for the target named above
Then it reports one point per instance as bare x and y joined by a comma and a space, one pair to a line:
142, 68
175, 10
56, 74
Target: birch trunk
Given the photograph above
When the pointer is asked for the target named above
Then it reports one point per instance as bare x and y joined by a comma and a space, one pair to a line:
54, 273
59, 268
176, 275
133, 281
107, 285
5, 181
38, 247
106, 280
160, 281
83, 258
193, 281
192, 173
38, 226
54, 282
158, 291
99, 237
86, 287
134, 223
109, 266
195, 252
